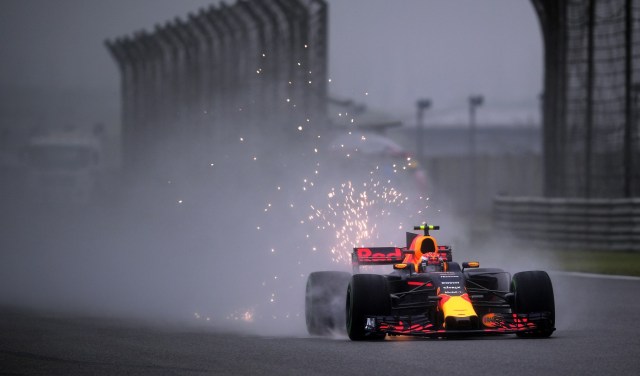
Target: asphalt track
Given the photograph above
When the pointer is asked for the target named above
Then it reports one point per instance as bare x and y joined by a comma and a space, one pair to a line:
597, 321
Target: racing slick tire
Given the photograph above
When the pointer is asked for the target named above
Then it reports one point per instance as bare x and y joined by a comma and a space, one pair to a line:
324, 297
367, 295
534, 293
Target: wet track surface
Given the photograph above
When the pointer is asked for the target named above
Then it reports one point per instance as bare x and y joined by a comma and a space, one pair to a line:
597, 334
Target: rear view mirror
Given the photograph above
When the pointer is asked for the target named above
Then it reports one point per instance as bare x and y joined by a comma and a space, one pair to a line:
470, 264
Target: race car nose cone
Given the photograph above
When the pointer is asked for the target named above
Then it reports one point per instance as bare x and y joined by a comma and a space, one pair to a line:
462, 323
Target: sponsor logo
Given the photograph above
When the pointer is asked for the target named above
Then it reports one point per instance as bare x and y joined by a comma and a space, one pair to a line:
368, 255
491, 320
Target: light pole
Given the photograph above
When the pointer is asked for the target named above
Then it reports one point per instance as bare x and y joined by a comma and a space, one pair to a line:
474, 102
423, 105
630, 164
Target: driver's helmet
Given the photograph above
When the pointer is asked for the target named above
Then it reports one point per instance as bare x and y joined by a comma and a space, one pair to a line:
432, 262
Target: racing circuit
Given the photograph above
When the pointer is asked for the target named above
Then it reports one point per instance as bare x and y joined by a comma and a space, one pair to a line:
597, 334
235, 174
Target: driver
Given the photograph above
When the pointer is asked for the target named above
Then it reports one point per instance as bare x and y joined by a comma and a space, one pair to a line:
432, 262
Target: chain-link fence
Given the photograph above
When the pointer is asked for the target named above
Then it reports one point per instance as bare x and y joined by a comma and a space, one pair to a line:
190, 86
592, 97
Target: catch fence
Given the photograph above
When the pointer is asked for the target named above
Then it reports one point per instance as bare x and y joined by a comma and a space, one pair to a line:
591, 103
191, 86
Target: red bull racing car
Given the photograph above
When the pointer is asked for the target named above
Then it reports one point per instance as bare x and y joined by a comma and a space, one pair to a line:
427, 294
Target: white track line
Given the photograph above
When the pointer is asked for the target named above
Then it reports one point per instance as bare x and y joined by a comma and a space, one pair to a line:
600, 276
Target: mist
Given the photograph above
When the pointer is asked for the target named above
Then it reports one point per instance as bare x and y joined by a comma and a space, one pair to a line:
228, 243
226, 238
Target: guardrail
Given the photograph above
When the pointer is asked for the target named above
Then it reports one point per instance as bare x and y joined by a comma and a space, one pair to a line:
571, 223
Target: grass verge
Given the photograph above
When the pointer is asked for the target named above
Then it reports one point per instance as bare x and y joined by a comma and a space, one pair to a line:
603, 262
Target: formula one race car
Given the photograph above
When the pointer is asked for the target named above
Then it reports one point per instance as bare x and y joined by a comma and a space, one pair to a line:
427, 294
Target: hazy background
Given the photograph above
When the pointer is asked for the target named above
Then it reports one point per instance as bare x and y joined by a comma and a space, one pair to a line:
387, 54
235, 243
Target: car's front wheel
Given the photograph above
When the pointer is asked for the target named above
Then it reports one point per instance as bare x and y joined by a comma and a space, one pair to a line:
533, 293
367, 295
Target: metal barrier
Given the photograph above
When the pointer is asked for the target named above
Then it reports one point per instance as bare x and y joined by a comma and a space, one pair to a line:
589, 224
591, 103
257, 66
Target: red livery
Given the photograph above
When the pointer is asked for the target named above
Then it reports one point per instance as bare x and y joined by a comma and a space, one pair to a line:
377, 255
427, 294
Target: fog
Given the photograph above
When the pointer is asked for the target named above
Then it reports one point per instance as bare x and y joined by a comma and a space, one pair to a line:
228, 245
228, 241
381, 53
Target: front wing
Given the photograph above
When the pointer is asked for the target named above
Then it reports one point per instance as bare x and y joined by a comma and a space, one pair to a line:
493, 323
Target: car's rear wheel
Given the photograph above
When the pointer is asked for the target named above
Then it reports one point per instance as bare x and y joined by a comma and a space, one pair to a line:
367, 295
533, 293
324, 302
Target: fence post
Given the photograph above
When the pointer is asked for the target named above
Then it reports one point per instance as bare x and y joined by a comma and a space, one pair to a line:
227, 68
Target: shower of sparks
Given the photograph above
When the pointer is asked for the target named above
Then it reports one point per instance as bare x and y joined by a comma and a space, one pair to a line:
353, 214
335, 200
246, 315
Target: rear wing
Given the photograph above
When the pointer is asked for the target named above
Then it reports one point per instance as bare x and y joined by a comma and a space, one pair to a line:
376, 256
388, 256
